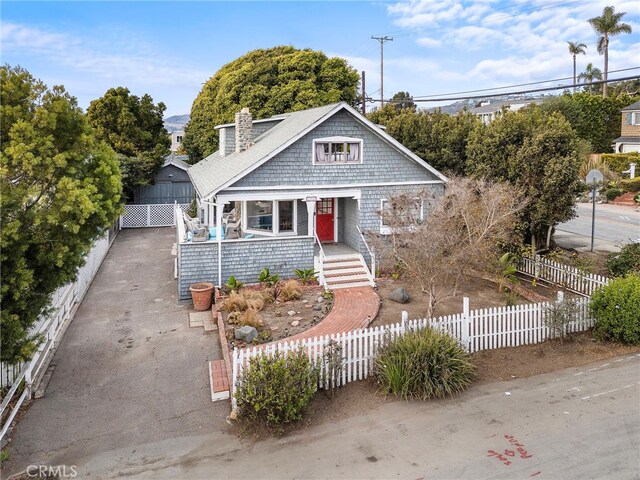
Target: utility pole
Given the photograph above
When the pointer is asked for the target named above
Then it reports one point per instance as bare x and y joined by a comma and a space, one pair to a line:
364, 107
382, 40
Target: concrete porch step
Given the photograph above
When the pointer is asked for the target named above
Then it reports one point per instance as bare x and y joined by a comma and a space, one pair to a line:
339, 265
365, 283
341, 258
337, 272
219, 380
348, 278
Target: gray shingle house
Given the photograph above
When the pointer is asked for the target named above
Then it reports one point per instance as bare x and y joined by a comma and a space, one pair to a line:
297, 190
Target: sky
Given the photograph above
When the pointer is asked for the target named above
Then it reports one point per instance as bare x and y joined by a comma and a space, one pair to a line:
169, 49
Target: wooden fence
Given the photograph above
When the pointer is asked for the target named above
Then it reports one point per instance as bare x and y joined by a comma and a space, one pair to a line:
562, 275
64, 303
476, 330
156, 215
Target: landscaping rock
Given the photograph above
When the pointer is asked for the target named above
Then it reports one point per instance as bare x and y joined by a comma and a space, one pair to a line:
305, 301
295, 323
291, 313
246, 333
320, 299
317, 308
399, 295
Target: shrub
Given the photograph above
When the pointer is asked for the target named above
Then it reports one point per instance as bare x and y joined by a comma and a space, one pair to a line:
619, 162
290, 290
616, 308
233, 285
235, 303
255, 301
626, 261
266, 278
613, 193
275, 390
630, 184
306, 275
423, 364
251, 317
559, 315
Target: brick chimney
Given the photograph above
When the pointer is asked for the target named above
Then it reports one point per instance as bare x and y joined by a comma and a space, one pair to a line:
244, 127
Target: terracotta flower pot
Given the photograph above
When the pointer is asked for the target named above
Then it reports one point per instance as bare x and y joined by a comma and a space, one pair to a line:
201, 294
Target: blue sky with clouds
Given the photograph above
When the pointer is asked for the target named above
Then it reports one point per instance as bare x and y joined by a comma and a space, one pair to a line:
168, 49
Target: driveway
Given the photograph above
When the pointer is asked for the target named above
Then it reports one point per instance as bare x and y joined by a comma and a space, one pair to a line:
129, 370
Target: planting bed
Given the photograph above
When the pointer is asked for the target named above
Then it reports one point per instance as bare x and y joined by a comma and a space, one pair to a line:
282, 319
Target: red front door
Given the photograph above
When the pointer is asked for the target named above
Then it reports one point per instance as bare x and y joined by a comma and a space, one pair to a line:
324, 219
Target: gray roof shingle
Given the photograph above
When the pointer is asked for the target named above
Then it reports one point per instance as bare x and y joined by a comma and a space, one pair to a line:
213, 172
633, 106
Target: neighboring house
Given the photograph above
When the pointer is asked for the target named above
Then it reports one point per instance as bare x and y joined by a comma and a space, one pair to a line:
176, 140
171, 184
490, 110
629, 140
298, 190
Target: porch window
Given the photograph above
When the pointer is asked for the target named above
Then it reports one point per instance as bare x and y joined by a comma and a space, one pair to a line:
337, 150
270, 217
399, 215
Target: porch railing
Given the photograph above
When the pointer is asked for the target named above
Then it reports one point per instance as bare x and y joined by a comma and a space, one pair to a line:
321, 260
372, 255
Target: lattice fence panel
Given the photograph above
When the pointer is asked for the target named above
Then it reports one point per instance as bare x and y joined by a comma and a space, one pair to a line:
158, 215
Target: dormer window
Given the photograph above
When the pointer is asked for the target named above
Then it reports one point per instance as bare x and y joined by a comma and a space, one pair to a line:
337, 150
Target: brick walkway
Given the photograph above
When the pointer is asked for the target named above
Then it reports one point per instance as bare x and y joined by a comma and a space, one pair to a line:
353, 308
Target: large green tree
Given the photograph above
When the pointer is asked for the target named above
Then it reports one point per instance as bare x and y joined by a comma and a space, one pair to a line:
268, 81
608, 25
60, 190
536, 152
590, 75
134, 128
595, 119
437, 138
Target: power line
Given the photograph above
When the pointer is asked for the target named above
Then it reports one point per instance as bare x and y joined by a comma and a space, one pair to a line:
520, 92
513, 86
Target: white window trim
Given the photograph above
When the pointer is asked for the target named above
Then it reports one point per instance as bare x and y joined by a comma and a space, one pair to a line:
338, 140
386, 230
275, 219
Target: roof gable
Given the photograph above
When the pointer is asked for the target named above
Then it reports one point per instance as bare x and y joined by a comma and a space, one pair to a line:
216, 173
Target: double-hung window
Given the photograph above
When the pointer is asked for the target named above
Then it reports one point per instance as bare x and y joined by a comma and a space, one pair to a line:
337, 150
396, 215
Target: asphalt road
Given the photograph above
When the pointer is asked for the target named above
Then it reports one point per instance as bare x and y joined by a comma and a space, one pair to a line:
581, 423
615, 225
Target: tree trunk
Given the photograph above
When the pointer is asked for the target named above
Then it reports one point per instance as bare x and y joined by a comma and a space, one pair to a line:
574, 74
550, 228
606, 65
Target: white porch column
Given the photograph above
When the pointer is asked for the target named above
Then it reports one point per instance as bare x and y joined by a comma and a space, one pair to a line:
311, 215
218, 213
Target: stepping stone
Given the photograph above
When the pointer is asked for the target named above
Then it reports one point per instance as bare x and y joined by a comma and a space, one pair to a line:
219, 380
209, 325
197, 319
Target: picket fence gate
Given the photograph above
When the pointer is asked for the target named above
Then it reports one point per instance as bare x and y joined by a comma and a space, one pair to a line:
476, 330
152, 215
562, 275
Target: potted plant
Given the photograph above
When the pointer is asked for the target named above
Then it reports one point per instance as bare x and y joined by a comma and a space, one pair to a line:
201, 294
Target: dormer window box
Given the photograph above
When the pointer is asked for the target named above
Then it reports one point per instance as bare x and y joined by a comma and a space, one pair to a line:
337, 150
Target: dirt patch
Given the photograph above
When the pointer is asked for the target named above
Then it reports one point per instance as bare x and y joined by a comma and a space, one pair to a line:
481, 293
528, 360
285, 319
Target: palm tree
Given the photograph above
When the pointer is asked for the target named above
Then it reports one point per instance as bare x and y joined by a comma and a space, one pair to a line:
576, 49
607, 26
589, 75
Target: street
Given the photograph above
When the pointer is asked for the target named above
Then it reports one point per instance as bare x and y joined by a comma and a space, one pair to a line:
578, 423
615, 225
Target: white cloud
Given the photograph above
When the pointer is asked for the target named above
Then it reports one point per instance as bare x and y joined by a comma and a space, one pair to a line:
129, 67
428, 42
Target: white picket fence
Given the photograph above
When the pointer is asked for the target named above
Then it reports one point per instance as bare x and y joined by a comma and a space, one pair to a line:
63, 304
562, 275
153, 215
476, 330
